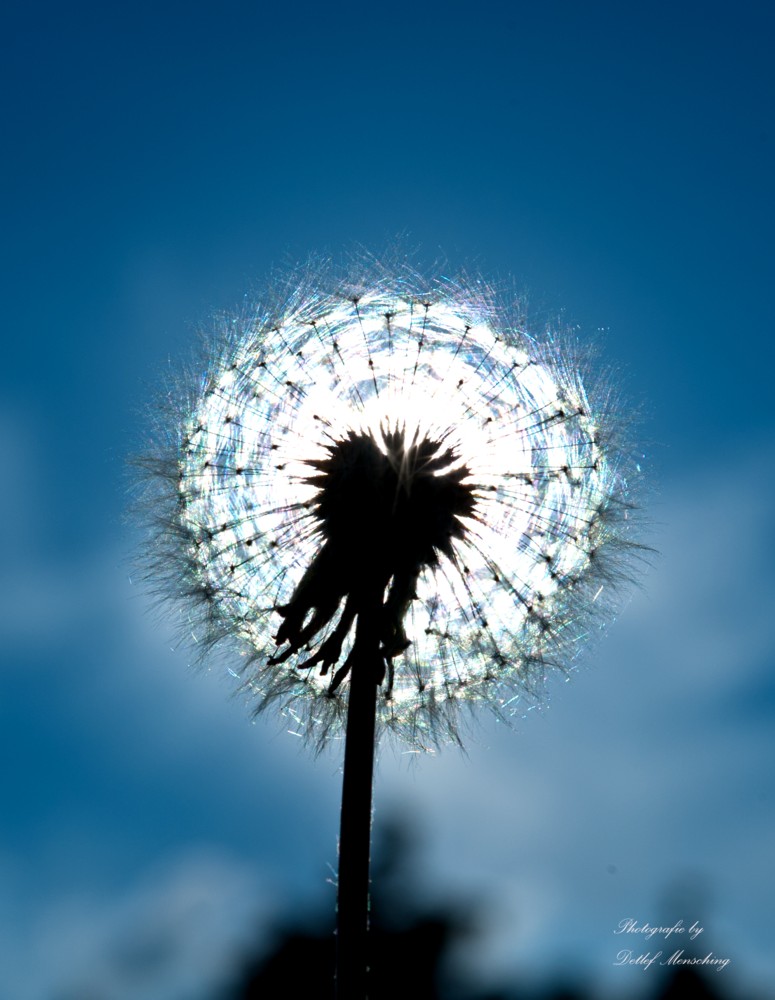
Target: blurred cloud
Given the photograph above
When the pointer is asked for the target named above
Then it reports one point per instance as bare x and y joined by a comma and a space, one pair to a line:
180, 931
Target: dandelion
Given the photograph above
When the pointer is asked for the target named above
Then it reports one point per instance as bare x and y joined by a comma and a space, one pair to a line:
398, 502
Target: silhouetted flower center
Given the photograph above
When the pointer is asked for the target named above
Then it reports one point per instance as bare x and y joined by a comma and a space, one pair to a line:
403, 504
386, 509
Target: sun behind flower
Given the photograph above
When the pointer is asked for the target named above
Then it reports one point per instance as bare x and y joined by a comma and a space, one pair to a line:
407, 437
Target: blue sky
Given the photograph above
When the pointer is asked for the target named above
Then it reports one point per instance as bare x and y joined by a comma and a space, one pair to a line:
617, 161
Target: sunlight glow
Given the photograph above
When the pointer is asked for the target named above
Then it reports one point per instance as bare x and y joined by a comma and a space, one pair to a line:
520, 584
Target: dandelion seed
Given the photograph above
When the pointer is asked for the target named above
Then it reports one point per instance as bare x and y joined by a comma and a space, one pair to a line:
411, 438
397, 500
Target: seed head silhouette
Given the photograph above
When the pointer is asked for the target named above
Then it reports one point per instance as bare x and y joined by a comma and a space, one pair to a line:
408, 444
397, 501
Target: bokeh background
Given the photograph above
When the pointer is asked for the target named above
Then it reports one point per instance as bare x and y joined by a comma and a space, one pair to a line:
158, 161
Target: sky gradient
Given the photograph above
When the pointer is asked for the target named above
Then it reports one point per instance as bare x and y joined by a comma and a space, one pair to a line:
159, 162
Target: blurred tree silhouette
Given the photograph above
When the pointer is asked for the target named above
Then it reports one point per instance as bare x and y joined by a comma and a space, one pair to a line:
408, 944
688, 984
411, 947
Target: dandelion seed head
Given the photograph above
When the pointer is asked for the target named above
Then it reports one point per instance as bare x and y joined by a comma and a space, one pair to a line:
405, 435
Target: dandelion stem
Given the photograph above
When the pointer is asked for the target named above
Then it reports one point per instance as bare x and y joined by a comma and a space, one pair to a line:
355, 829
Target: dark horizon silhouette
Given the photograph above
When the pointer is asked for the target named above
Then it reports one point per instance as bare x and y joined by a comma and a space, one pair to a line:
411, 946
